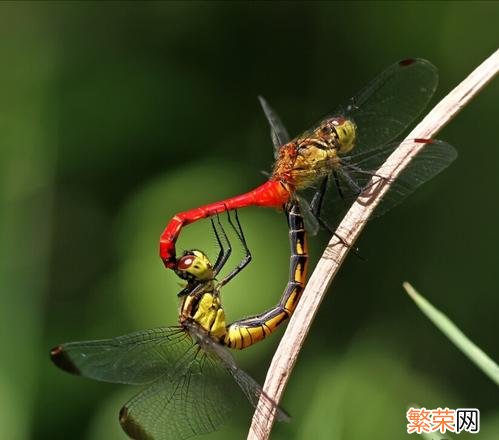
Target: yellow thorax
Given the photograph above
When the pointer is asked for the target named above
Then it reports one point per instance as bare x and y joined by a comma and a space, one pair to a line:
203, 305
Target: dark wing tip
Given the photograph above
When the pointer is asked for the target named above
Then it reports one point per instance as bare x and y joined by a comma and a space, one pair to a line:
63, 361
407, 62
423, 141
123, 415
131, 427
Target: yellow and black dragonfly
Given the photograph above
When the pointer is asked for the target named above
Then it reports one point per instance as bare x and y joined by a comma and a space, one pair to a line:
189, 374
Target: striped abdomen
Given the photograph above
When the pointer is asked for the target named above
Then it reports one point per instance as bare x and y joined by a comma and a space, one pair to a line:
245, 332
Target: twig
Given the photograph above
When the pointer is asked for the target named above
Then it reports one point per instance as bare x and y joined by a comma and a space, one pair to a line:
349, 229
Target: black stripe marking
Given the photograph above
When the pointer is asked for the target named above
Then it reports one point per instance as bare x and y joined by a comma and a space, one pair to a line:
297, 266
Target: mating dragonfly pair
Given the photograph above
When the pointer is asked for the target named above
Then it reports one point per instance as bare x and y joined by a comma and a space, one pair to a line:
186, 367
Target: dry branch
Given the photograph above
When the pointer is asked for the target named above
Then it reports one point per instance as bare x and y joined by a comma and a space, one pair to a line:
350, 228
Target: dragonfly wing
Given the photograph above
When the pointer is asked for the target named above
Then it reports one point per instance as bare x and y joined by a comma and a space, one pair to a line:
193, 401
137, 358
251, 389
254, 392
434, 158
388, 105
278, 131
356, 173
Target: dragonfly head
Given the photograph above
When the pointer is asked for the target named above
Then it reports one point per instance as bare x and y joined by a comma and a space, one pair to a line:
194, 265
341, 132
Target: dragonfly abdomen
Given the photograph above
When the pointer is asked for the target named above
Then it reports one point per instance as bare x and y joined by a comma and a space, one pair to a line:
248, 331
272, 193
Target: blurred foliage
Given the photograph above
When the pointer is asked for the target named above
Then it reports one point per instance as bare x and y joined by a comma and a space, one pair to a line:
455, 335
115, 116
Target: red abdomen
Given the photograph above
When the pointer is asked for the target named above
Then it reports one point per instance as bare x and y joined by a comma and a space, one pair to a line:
271, 194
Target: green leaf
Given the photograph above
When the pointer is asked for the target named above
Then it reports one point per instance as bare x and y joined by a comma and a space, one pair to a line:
485, 363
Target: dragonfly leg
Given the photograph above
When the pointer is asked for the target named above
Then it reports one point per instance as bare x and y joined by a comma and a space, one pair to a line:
350, 181
362, 171
318, 201
270, 194
359, 170
247, 257
245, 332
317, 204
223, 254
194, 258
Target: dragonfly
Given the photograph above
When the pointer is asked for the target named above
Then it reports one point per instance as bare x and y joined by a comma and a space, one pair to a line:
190, 377
328, 166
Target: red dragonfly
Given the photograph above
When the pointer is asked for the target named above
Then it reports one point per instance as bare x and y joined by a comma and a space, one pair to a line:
341, 152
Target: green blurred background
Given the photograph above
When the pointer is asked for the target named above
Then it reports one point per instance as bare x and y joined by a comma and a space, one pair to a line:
115, 116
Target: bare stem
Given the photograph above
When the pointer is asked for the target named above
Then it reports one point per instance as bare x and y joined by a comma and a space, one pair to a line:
350, 228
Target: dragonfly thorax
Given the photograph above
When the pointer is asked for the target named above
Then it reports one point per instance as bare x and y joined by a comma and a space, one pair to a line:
307, 159
205, 309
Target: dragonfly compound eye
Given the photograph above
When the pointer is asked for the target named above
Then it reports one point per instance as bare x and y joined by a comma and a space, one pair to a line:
347, 133
194, 264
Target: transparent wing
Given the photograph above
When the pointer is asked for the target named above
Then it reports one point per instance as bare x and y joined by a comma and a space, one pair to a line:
254, 393
137, 358
278, 131
388, 105
251, 389
432, 160
178, 406
356, 173
192, 385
